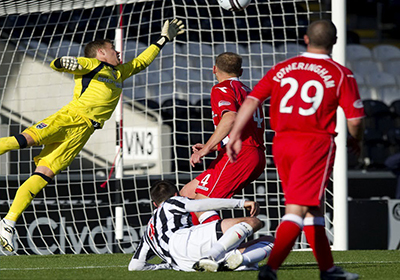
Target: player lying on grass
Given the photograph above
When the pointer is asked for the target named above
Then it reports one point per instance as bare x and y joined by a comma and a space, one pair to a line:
98, 85
213, 246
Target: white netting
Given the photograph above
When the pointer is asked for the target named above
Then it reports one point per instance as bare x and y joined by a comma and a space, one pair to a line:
166, 108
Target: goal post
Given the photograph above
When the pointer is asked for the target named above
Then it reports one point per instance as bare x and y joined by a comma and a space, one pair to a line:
165, 109
340, 182
119, 163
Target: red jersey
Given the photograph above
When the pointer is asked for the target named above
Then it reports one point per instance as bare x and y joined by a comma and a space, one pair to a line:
305, 92
229, 95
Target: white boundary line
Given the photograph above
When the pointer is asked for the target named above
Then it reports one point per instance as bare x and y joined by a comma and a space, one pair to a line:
366, 262
126, 266
63, 268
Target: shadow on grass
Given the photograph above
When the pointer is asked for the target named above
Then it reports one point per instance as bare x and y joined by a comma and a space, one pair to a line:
299, 266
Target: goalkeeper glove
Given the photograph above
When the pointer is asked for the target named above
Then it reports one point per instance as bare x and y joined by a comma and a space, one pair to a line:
70, 63
169, 31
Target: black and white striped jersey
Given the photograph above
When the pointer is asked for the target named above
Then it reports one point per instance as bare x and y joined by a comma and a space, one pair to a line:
172, 215
168, 218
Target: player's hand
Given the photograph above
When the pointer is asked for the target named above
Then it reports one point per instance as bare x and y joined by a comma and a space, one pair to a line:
70, 63
197, 147
196, 157
172, 28
233, 148
253, 207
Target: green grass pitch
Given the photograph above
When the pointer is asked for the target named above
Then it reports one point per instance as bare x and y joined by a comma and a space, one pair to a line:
299, 265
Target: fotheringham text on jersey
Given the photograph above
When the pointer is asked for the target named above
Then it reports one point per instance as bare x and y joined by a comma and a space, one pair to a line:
316, 68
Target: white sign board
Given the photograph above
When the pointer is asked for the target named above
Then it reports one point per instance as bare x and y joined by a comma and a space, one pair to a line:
141, 143
394, 224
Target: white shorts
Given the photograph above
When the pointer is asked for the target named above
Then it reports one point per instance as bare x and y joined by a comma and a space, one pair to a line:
189, 245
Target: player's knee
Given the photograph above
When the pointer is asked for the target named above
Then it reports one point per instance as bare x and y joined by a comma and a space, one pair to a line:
254, 222
22, 141
45, 171
189, 190
184, 192
258, 224
29, 139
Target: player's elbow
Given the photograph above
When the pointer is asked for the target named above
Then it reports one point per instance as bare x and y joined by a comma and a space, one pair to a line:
228, 119
136, 265
356, 127
232, 120
357, 123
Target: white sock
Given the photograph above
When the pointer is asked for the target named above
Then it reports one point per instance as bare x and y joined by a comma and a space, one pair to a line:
230, 239
10, 223
257, 252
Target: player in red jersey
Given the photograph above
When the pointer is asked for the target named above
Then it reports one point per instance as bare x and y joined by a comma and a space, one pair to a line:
222, 179
305, 92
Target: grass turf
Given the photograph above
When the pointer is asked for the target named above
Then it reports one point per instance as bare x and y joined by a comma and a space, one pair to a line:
299, 265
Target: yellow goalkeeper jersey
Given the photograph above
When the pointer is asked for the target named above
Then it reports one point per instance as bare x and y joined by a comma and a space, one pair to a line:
98, 85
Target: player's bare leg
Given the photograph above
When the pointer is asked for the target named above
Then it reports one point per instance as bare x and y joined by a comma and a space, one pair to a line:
234, 232
30, 141
254, 222
189, 190
19, 141
45, 171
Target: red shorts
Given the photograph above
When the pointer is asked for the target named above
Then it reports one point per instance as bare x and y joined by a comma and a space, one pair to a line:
223, 179
305, 163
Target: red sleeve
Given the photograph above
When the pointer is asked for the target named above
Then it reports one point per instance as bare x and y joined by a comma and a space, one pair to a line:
349, 97
223, 99
263, 89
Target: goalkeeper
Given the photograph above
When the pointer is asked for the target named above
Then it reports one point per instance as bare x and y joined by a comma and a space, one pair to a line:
98, 85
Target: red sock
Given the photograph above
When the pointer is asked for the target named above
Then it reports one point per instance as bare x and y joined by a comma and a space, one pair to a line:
195, 221
319, 243
286, 236
209, 216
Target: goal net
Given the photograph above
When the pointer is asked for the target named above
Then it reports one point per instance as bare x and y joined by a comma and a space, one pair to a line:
101, 203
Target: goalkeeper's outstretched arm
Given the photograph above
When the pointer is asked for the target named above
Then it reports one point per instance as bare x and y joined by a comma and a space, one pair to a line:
169, 31
68, 64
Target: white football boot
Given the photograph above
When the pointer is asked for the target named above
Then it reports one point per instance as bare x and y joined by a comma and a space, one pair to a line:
233, 261
7, 236
206, 264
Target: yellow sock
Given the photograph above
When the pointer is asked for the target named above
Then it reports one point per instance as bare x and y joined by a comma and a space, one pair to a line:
25, 194
8, 144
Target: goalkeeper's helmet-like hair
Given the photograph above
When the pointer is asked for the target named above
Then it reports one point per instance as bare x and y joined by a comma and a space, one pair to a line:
322, 34
161, 191
230, 63
92, 47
